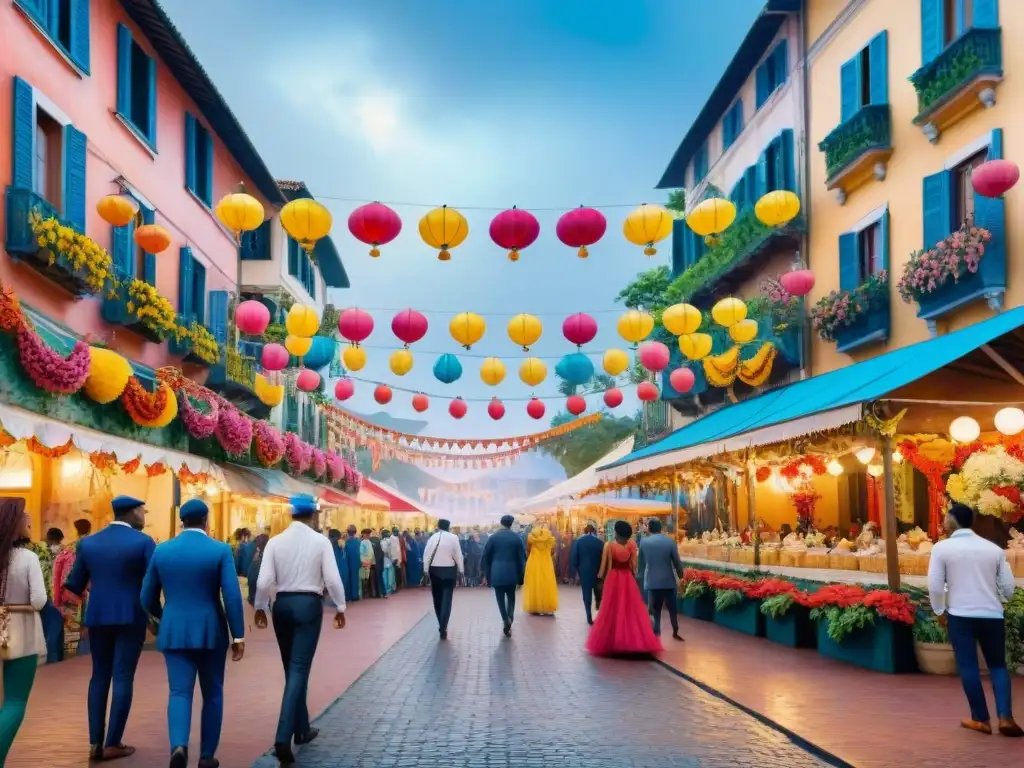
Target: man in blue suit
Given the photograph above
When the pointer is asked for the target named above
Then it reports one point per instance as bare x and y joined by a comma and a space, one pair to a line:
202, 604
660, 569
585, 564
111, 564
503, 564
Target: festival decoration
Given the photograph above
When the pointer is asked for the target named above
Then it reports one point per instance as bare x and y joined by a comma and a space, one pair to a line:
447, 368
646, 391
535, 408
575, 404
964, 429
355, 325
680, 319
108, 375
298, 345
467, 329
152, 238
496, 409
89, 261
353, 358
321, 352
492, 371
994, 178
514, 230
420, 402
532, 371
613, 397
729, 311
635, 325
239, 212
575, 368
777, 208
711, 217
269, 394
252, 317
200, 420
1010, 421
457, 408
344, 389
152, 308
409, 326
319, 463
798, 282
682, 380
149, 409
335, 468
306, 221
382, 394
302, 321
744, 331
295, 457
274, 357
695, 346
653, 355
580, 228
48, 369
117, 210
443, 229
615, 361
990, 481
524, 331
400, 362
754, 372
374, 224
647, 225
579, 329
949, 260
307, 380
268, 444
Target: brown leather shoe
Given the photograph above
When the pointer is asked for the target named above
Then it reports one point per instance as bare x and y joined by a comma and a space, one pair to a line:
116, 753
1008, 727
977, 725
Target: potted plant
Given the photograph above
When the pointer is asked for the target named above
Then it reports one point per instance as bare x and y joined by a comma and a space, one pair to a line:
787, 620
697, 601
733, 608
931, 646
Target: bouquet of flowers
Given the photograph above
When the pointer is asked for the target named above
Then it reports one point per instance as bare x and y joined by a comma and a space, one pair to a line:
991, 481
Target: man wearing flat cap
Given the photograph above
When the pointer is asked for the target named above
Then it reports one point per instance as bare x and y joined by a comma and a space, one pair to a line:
111, 564
300, 564
200, 617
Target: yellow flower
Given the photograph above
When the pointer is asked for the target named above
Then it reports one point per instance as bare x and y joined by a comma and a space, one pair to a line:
955, 488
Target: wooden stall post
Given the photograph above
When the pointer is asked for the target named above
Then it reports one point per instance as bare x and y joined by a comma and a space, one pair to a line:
892, 558
755, 529
675, 505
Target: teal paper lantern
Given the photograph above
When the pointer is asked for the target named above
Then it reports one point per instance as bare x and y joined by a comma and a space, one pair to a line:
447, 368
575, 368
320, 354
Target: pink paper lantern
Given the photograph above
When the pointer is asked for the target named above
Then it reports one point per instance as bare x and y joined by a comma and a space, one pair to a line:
374, 224
535, 408
798, 282
654, 356
252, 317
613, 397
995, 178
409, 326
420, 403
647, 392
581, 227
355, 325
575, 404
274, 357
344, 389
382, 394
579, 329
514, 230
457, 408
682, 380
496, 409
307, 380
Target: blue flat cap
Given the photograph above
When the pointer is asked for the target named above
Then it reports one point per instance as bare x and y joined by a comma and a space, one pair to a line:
303, 504
193, 509
122, 504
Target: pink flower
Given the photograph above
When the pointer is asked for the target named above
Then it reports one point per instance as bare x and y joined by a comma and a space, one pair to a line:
46, 368
233, 432
200, 424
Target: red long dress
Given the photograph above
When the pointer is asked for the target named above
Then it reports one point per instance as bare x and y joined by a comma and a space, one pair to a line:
623, 626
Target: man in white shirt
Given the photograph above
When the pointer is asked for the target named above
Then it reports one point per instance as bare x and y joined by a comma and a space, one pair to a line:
392, 559
968, 582
300, 564
443, 560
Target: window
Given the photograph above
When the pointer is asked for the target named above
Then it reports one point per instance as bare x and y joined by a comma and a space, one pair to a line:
864, 79
732, 125
963, 190
301, 267
198, 160
700, 164
191, 288
199, 293
772, 73
958, 17
864, 252
136, 86
48, 153
771, 158
869, 248
776, 168
943, 21
65, 23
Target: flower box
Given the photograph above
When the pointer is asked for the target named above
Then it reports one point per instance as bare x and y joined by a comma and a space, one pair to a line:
884, 646
745, 617
184, 347
116, 312
794, 628
989, 283
870, 328
855, 147
702, 608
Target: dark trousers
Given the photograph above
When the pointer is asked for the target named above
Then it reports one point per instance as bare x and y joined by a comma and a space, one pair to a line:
183, 667
115, 651
442, 588
664, 598
506, 602
591, 593
298, 617
53, 631
966, 635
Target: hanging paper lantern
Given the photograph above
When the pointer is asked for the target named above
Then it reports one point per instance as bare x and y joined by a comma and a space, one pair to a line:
252, 317
420, 402
374, 224
444, 228
524, 330
274, 357
777, 208
239, 212
307, 380
995, 177
152, 238
297, 345
447, 368
400, 362
647, 392
613, 397
302, 320
695, 346
647, 225
355, 325
382, 394
635, 326
108, 375
492, 371
654, 356
711, 218
579, 329
269, 394
581, 227
321, 352
1009, 421
344, 389
575, 405
729, 311
575, 368
409, 326
457, 408
535, 408
798, 282
496, 409
744, 331
306, 221
353, 358
682, 380
615, 361
514, 230
467, 328
117, 210
680, 319
532, 371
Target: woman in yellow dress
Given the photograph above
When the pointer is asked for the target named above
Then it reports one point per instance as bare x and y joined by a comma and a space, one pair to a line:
540, 590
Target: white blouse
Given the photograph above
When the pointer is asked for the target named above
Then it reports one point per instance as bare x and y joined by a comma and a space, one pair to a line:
25, 586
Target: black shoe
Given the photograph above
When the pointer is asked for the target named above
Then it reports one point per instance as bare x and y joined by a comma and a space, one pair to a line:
507, 629
677, 636
283, 753
308, 736
209, 762
179, 757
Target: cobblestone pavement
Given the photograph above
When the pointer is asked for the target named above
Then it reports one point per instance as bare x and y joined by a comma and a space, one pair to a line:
481, 700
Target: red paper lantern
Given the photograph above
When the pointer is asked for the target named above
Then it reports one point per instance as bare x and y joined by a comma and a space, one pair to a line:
581, 227
457, 408
374, 224
647, 392
382, 394
682, 380
575, 405
420, 403
995, 178
579, 329
654, 356
344, 389
274, 357
307, 380
613, 397
496, 409
252, 317
535, 408
355, 325
514, 230
798, 282
409, 326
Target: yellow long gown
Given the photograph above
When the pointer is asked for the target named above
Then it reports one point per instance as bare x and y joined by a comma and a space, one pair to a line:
540, 590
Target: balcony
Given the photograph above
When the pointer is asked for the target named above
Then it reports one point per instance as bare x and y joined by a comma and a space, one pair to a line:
31, 219
988, 283
858, 150
870, 328
959, 80
235, 379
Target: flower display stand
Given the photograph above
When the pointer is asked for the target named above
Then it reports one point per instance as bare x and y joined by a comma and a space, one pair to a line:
884, 646
745, 617
702, 608
793, 629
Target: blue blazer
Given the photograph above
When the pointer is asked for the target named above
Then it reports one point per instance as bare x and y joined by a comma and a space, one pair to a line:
504, 559
113, 561
585, 558
195, 574
658, 563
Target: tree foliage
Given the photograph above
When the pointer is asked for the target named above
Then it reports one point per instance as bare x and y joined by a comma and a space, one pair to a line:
676, 201
647, 291
578, 449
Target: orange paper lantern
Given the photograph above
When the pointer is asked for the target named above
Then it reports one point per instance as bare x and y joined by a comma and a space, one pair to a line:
117, 210
152, 238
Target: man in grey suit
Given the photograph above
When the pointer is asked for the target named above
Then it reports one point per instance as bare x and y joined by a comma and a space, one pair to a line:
504, 566
661, 568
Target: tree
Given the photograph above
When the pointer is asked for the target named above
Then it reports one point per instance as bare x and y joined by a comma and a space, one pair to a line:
647, 291
599, 383
676, 201
578, 449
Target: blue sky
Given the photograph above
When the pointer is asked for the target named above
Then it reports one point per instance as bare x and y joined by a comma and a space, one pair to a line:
543, 104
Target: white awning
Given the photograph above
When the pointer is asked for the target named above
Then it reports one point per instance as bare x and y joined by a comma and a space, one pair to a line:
576, 484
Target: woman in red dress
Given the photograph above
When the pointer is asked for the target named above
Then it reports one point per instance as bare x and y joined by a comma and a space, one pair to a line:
623, 625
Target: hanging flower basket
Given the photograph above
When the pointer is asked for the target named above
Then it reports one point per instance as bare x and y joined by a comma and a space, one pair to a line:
318, 463
200, 420
845, 315
144, 406
268, 444
294, 455
233, 432
47, 369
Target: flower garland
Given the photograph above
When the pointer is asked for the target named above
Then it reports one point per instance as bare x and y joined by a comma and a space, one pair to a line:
763, 474
335, 468
233, 432
143, 406
200, 423
152, 470
11, 316
293, 454
927, 270
319, 463
791, 470
46, 368
34, 446
268, 444
933, 471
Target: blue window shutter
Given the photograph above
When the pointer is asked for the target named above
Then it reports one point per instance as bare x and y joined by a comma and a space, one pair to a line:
185, 283
124, 70
878, 59
207, 192
849, 264
148, 259
936, 203
780, 61
74, 177
218, 322
23, 135
883, 225
849, 89
986, 14
151, 74
79, 52
36, 9
933, 24
123, 250
989, 212
738, 194
293, 257
199, 292
761, 91
787, 160
761, 185
190, 152
750, 175
679, 230
262, 247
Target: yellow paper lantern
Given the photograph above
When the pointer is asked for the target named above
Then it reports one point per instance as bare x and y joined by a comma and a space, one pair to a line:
240, 213
635, 326
647, 225
681, 318
532, 371
302, 320
467, 328
444, 228
117, 210
108, 375
711, 217
492, 371
729, 311
353, 358
695, 346
306, 221
269, 394
744, 331
777, 208
524, 330
615, 361
168, 414
400, 362
297, 345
